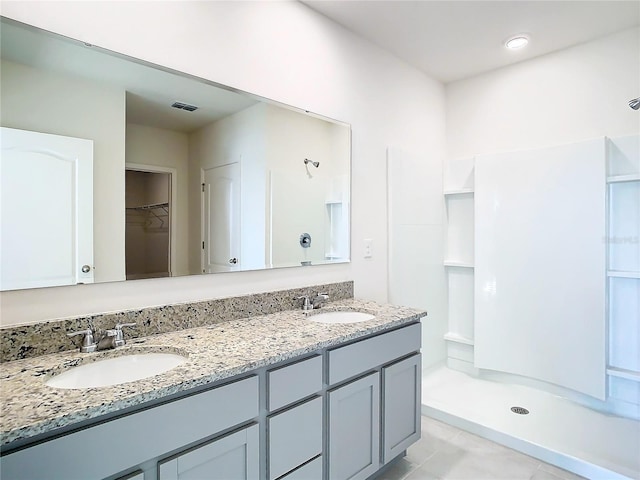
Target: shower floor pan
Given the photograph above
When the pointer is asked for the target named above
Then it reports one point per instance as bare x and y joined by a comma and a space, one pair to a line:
557, 431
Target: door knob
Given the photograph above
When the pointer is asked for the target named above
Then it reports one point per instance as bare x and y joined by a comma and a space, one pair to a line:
233, 260
86, 269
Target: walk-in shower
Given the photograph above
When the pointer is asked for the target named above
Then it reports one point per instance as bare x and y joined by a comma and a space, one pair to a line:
577, 373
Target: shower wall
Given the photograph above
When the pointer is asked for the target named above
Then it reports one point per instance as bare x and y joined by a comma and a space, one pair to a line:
416, 276
539, 263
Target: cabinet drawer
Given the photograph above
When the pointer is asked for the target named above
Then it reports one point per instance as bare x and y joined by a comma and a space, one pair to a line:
309, 471
295, 436
294, 382
346, 362
127, 440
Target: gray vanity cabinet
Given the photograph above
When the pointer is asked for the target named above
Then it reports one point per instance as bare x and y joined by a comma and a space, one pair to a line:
354, 426
235, 456
335, 414
401, 406
374, 402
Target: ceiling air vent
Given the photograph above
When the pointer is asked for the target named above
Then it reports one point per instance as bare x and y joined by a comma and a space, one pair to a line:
184, 106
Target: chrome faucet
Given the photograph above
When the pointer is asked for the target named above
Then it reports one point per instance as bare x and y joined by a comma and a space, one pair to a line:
88, 343
306, 304
319, 300
113, 338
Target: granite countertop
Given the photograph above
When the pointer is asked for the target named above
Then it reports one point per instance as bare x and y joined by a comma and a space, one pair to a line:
216, 352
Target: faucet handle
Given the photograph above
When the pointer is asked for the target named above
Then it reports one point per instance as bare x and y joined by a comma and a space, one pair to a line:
119, 335
120, 325
319, 299
88, 343
80, 332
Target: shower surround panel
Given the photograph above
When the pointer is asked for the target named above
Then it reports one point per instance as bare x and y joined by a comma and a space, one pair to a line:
540, 265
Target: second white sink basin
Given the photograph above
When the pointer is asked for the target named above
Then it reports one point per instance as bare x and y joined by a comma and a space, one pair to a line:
341, 317
117, 370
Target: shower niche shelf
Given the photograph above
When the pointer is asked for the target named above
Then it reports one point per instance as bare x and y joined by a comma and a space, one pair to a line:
459, 261
619, 274
459, 230
624, 373
453, 263
623, 178
623, 244
460, 191
454, 337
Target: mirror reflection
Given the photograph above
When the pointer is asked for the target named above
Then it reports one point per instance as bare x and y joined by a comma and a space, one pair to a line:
113, 169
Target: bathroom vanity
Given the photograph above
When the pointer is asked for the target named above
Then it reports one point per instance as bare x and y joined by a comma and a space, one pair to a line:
271, 397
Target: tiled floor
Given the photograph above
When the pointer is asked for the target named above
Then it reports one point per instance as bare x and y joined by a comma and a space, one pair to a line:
448, 453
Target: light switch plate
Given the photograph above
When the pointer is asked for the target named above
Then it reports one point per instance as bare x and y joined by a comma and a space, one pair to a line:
368, 248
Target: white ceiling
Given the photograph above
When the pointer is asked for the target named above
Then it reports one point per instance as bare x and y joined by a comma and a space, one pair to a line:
452, 40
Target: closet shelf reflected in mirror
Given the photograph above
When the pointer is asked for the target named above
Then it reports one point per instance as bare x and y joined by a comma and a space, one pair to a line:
144, 215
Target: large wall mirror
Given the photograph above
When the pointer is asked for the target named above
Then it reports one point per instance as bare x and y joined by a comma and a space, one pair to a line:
113, 169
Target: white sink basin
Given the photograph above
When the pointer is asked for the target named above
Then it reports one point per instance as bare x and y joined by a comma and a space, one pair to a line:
341, 317
114, 371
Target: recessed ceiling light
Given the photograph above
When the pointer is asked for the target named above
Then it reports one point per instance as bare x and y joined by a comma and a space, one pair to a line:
516, 42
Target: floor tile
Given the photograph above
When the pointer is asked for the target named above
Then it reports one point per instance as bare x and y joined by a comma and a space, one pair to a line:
542, 475
435, 435
559, 472
400, 469
459, 464
419, 474
448, 453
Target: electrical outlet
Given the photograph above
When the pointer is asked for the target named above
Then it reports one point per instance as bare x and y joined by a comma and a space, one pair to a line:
367, 248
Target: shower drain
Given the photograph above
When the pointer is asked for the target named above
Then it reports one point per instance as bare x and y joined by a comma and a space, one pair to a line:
519, 410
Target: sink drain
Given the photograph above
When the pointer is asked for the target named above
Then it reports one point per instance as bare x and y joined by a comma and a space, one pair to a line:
520, 410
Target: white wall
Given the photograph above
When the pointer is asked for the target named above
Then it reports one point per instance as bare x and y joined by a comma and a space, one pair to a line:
283, 51
165, 148
574, 94
47, 102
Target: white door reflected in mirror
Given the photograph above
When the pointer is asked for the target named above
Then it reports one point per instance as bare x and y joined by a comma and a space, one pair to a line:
221, 212
47, 210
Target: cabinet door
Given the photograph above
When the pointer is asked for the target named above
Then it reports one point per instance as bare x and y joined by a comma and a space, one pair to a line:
401, 406
232, 457
354, 429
